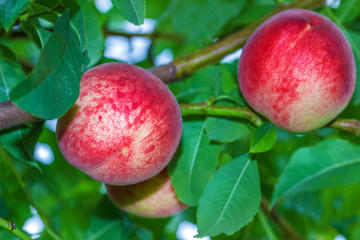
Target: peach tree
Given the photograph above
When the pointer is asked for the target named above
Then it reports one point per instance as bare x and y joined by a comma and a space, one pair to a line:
234, 174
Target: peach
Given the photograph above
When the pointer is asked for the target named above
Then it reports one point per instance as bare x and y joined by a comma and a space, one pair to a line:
298, 70
125, 126
154, 197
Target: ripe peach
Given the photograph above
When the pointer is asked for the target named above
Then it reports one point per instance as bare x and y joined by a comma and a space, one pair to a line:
125, 126
154, 197
298, 70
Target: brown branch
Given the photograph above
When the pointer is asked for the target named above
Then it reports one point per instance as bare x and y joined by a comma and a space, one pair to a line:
187, 65
152, 35
11, 115
285, 226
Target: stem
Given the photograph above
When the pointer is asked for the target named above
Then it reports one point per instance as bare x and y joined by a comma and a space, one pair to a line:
205, 108
286, 227
187, 65
269, 232
10, 227
44, 217
347, 125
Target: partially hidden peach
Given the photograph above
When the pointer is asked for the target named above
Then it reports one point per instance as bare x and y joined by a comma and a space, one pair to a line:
154, 197
125, 126
298, 70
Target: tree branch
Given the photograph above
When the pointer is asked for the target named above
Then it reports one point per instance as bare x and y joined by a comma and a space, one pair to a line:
152, 35
10, 227
187, 65
285, 226
11, 115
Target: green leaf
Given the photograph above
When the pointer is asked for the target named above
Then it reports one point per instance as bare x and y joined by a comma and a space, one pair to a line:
199, 87
196, 164
225, 130
329, 163
200, 21
348, 11
230, 199
11, 72
10, 10
94, 33
43, 6
103, 229
354, 38
263, 139
77, 21
306, 204
58, 71
14, 204
106, 229
132, 10
34, 30
356, 97
21, 141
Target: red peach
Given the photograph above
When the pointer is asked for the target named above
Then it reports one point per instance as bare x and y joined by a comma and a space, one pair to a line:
298, 70
154, 197
125, 126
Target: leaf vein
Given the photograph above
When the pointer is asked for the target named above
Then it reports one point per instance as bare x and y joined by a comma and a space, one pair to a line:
231, 195
323, 171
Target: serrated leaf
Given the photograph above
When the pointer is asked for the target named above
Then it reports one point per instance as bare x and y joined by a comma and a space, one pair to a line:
132, 10
230, 199
329, 163
197, 163
11, 72
263, 139
58, 71
10, 10
21, 140
225, 130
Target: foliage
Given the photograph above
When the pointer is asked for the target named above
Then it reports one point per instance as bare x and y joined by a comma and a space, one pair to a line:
241, 179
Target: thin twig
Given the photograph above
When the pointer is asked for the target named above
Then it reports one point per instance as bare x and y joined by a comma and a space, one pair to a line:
285, 226
152, 35
10, 227
207, 109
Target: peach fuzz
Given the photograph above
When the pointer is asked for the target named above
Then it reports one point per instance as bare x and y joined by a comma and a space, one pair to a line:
125, 126
298, 70
154, 197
